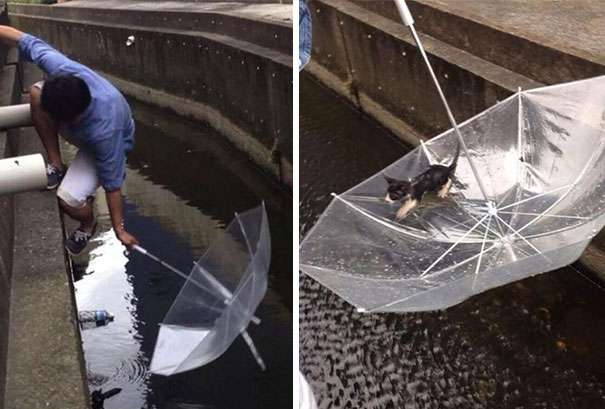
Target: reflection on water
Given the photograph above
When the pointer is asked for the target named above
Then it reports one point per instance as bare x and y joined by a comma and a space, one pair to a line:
537, 343
183, 185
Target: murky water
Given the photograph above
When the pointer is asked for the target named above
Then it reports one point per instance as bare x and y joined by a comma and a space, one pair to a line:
537, 343
183, 184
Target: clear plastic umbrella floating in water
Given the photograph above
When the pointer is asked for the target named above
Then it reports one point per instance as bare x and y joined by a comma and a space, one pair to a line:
219, 298
528, 197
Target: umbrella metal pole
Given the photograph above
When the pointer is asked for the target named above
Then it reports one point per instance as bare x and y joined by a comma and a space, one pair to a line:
409, 22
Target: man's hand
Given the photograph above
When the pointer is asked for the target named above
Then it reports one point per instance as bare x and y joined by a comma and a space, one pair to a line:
126, 238
114, 202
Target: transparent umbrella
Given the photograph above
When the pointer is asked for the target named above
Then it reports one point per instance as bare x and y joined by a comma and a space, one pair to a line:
219, 298
528, 197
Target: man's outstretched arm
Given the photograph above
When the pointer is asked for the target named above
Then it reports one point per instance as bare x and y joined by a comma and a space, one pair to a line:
10, 36
114, 202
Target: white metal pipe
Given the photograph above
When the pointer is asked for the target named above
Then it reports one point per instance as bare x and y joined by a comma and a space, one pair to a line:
15, 116
22, 173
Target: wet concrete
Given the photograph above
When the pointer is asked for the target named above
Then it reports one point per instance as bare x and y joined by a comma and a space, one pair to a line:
536, 343
241, 87
183, 184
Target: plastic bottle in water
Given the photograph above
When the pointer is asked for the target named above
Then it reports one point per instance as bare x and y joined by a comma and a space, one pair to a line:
95, 318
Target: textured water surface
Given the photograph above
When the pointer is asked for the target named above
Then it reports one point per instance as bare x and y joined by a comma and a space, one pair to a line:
183, 185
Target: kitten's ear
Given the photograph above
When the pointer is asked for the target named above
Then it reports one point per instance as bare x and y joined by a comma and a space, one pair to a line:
388, 179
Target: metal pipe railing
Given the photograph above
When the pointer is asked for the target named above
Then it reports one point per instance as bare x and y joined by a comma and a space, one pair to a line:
22, 173
15, 116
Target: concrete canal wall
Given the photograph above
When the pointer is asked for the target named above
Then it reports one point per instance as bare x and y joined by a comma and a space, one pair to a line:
41, 361
8, 96
372, 61
226, 64
481, 52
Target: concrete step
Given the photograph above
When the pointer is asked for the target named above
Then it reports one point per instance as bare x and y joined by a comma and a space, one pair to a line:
549, 42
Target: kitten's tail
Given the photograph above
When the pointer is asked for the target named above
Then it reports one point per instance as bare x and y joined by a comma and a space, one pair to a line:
455, 161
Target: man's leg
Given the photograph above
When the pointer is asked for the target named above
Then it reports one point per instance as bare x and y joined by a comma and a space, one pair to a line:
76, 189
45, 126
84, 214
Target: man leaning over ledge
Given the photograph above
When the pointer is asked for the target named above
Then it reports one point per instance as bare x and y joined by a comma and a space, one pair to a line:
91, 114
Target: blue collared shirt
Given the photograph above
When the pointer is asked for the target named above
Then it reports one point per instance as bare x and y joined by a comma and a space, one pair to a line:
106, 128
305, 40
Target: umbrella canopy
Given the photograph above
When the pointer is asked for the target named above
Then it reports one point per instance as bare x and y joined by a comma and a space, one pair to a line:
219, 298
529, 195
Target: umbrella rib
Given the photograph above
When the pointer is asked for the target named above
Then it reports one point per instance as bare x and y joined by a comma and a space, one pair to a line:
559, 216
253, 349
571, 186
503, 199
252, 255
471, 258
484, 225
489, 219
374, 218
449, 250
516, 232
534, 197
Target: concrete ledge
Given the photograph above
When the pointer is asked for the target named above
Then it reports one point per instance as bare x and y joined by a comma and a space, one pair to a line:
44, 361
8, 91
375, 60
45, 366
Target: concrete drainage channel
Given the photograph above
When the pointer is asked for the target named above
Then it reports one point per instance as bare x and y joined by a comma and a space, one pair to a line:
202, 59
186, 53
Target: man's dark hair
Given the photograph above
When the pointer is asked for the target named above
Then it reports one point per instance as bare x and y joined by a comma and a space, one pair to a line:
65, 97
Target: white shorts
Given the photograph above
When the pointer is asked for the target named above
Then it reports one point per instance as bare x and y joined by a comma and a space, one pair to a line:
80, 182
